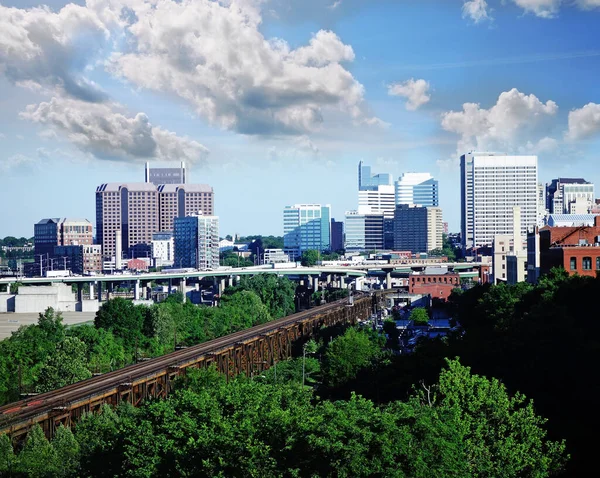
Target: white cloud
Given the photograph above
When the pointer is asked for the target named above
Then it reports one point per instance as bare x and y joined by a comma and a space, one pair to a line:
415, 91
105, 130
335, 4
514, 120
300, 148
544, 145
213, 55
39, 48
541, 8
16, 161
476, 10
588, 4
584, 122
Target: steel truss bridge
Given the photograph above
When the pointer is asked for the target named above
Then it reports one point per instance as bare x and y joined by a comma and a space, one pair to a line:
246, 352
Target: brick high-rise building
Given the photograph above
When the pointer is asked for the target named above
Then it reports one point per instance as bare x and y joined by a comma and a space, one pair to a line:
52, 232
180, 200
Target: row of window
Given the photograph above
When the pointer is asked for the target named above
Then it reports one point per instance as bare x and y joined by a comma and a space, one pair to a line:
586, 263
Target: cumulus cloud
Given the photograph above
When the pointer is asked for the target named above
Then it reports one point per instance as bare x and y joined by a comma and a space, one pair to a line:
415, 91
213, 55
107, 132
541, 8
39, 48
584, 122
515, 119
476, 10
16, 161
588, 4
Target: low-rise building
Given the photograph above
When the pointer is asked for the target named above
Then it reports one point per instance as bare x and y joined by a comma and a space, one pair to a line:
163, 249
275, 256
79, 259
437, 282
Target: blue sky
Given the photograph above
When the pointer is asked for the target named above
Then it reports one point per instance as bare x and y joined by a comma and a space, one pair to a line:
274, 102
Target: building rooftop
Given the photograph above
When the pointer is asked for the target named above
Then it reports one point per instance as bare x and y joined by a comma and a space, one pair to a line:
189, 188
574, 220
573, 181
116, 187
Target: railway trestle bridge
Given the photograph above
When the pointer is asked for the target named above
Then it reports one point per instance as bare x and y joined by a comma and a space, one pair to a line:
245, 352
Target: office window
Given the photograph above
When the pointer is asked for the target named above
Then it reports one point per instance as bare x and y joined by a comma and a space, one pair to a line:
598, 263
573, 264
586, 264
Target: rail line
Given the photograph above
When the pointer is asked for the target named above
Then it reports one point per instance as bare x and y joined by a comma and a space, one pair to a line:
235, 353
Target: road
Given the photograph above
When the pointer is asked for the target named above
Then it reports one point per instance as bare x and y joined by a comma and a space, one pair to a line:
11, 322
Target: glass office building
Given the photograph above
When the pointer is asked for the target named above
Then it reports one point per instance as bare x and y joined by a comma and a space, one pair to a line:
306, 227
196, 240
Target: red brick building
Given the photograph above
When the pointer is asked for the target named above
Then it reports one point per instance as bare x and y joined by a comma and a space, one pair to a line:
576, 249
436, 285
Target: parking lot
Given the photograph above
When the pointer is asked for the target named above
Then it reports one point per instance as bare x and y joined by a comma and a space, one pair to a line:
11, 322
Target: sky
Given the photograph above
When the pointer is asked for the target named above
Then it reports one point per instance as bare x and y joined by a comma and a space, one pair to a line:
274, 102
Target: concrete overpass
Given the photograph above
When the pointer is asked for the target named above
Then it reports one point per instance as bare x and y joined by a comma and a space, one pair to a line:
336, 276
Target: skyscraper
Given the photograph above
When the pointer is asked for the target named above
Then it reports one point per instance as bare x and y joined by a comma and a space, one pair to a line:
196, 240
417, 188
368, 181
364, 231
305, 227
491, 185
52, 232
337, 235
564, 195
417, 228
158, 176
180, 200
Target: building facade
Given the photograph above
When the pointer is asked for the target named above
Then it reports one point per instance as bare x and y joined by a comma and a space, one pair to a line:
159, 176
196, 240
418, 229
569, 196
163, 249
417, 188
364, 231
52, 232
275, 256
435, 282
180, 200
79, 259
491, 185
337, 235
368, 181
306, 227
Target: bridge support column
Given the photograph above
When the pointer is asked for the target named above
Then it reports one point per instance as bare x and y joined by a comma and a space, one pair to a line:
91, 291
388, 280
99, 291
230, 281
79, 291
358, 283
136, 290
183, 287
315, 283
170, 285
221, 287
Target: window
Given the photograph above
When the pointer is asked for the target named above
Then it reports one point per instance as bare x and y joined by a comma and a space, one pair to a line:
573, 263
598, 263
586, 264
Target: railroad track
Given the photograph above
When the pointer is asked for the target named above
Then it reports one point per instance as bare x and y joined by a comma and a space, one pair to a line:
28, 409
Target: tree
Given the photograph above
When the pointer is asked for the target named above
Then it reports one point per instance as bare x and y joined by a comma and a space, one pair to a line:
419, 316
310, 258
124, 319
65, 366
389, 327
502, 435
104, 351
67, 452
8, 460
277, 293
346, 355
38, 457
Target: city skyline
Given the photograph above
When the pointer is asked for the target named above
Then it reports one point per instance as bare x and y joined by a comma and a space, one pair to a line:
478, 75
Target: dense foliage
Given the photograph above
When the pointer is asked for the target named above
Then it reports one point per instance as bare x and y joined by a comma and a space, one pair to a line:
48, 355
468, 427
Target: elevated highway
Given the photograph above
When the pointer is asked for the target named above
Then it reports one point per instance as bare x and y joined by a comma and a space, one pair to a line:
246, 352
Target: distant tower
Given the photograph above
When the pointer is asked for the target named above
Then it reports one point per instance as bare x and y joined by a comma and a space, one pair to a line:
158, 176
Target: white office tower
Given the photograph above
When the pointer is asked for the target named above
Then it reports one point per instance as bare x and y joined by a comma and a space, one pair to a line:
379, 200
492, 184
417, 188
306, 227
364, 231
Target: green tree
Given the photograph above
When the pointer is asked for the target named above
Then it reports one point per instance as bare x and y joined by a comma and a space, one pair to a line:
38, 458
123, 318
277, 293
8, 459
104, 351
310, 258
66, 448
346, 355
419, 316
65, 366
502, 435
389, 327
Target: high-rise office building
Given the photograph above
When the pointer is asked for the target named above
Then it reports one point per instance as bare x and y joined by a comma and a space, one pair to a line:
171, 175
417, 188
196, 241
418, 229
337, 235
140, 210
180, 200
368, 181
52, 232
379, 200
131, 209
364, 231
569, 196
491, 185
306, 227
